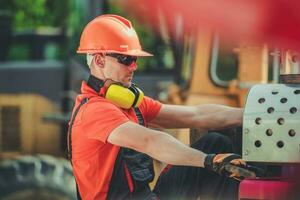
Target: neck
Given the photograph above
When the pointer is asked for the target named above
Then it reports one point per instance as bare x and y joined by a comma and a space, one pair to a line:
95, 83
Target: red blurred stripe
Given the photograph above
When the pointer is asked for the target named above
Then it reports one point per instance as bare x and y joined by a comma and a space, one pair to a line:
275, 22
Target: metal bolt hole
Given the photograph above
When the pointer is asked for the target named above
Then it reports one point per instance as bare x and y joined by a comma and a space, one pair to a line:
257, 143
258, 120
292, 132
280, 144
283, 100
275, 92
269, 132
280, 121
261, 100
293, 110
271, 110
297, 92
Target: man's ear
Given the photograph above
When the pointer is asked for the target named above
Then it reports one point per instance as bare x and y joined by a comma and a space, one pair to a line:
99, 60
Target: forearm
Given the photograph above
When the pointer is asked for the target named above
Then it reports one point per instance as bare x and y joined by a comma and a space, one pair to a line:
167, 149
211, 116
204, 117
156, 144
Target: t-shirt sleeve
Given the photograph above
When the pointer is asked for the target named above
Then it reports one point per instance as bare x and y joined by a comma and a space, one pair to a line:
101, 119
149, 108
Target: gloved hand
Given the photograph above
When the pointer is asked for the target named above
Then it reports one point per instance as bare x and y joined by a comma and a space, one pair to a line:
225, 164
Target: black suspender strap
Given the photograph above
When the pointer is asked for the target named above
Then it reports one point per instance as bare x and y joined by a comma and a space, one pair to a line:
139, 116
83, 101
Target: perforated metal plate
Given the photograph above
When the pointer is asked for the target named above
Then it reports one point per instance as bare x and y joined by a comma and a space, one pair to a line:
271, 128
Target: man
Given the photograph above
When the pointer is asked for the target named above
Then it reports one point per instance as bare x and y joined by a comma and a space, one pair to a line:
110, 146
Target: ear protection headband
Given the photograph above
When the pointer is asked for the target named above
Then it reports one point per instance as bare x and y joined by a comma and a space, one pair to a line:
122, 96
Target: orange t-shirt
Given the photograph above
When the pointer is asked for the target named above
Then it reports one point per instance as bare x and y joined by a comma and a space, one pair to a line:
93, 157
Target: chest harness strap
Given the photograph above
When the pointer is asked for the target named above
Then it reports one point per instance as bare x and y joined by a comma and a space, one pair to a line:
83, 101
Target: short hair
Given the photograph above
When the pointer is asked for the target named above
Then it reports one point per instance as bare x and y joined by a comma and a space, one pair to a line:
89, 59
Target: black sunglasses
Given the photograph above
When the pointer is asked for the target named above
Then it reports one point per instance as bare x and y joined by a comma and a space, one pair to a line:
123, 59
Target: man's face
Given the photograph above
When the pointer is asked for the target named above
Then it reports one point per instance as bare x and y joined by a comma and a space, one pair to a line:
120, 68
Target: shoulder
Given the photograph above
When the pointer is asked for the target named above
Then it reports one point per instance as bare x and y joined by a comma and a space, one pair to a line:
98, 106
149, 108
149, 102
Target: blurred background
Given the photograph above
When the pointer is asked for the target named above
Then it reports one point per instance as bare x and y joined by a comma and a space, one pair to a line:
41, 74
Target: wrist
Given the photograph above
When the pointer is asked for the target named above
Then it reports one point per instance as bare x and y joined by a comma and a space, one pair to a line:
208, 161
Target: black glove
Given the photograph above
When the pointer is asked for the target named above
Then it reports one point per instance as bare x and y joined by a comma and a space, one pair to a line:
226, 164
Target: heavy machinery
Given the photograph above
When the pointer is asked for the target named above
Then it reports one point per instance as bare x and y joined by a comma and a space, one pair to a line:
31, 151
32, 139
269, 91
271, 134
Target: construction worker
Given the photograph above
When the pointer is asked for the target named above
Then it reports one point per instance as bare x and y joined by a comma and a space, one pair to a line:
110, 145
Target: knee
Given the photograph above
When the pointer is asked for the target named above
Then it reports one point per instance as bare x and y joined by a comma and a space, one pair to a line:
214, 142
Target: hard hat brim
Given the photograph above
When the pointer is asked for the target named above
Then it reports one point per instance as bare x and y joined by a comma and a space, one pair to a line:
139, 53
136, 52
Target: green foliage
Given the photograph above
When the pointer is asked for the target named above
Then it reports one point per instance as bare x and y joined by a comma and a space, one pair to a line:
31, 14
77, 20
163, 60
18, 52
72, 15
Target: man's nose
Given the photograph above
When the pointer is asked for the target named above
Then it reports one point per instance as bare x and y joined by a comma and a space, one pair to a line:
133, 66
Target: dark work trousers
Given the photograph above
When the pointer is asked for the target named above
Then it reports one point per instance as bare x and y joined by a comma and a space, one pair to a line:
189, 183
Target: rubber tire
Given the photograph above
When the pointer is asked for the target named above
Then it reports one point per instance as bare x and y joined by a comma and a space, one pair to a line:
40, 177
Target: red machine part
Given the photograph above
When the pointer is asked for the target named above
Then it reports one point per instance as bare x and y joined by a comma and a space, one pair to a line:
265, 189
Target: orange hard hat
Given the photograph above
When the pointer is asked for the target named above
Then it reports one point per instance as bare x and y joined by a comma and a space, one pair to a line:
110, 34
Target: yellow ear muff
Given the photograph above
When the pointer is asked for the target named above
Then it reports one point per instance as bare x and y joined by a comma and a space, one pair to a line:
124, 97
139, 95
